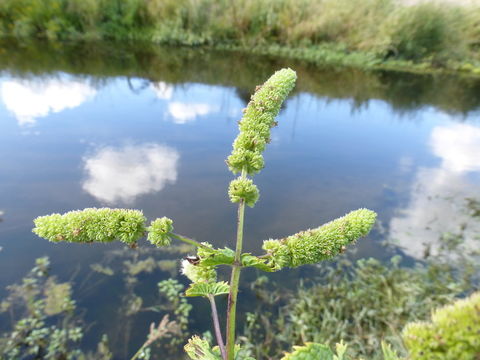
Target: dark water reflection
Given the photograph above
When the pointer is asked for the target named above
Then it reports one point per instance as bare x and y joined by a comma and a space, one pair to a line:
150, 128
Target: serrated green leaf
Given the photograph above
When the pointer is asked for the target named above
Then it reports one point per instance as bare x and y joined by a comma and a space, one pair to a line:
199, 349
311, 351
205, 289
249, 260
215, 257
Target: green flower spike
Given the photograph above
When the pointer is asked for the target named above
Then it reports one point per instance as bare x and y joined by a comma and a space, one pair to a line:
243, 189
89, 225
322, 243
258, 119
159, 231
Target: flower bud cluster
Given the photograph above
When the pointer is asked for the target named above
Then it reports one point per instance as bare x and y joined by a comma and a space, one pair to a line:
322, 243
258, 119
159, 231
243, 189
89, 225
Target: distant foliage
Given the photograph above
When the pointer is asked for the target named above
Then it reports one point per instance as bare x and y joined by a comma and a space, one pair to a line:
427, 30
384, 28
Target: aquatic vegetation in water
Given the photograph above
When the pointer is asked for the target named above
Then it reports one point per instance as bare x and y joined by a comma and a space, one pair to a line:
44, 326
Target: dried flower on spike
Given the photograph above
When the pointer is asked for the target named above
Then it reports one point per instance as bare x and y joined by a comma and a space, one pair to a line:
258, 118
159, 231
322, 243
92, 225
198, 273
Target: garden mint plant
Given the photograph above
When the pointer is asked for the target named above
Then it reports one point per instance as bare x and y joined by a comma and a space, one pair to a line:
306, 247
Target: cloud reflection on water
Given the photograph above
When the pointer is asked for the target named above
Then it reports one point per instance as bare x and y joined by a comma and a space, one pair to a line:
438, 195
185, 112
29, 100
179, 105
120, 175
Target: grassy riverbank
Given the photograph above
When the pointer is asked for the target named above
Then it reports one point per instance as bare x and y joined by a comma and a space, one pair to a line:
358, 33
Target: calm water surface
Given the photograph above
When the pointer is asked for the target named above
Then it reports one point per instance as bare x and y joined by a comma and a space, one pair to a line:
150, 128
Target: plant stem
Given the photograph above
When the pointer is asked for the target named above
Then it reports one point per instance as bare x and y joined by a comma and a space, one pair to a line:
137, 354
216, 325
235, 280
189, 241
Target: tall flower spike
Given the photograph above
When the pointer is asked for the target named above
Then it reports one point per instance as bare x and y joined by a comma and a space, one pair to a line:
322, 243
258, 119
89, 225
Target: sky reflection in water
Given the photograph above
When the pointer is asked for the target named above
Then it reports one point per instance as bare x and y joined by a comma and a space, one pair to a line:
107, 145
438, 194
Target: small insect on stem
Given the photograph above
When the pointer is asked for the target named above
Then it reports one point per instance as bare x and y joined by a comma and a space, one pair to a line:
194, 260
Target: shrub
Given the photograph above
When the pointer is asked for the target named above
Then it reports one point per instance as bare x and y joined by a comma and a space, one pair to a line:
453, 333
426, 30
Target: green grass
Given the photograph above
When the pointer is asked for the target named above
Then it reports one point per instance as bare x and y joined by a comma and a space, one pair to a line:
359, 33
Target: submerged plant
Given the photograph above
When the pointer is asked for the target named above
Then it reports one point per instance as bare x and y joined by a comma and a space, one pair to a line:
306, 247
44, 326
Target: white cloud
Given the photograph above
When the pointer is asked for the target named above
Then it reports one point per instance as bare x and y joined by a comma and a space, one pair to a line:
162, 90
121, 174
185, 112
458, 146
437, 199
29, 100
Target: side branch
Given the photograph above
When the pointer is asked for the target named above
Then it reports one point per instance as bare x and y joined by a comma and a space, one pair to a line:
189, 241
216, 325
